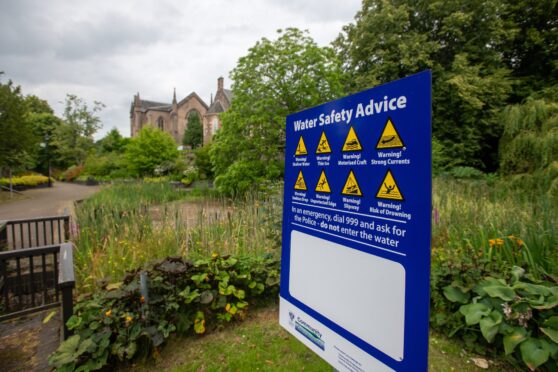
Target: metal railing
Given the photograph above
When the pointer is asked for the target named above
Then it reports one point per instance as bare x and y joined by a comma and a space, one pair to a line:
35, 279
34, 232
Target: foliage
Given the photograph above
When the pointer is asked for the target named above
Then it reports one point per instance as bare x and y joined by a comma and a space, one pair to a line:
72, 173
274, 79
530, 138
112, 142
121, 323
25, 181
203, 161
109, 164
74, 138
193, 135
149, 149
518, 316
18, 139
126, 225
462, 42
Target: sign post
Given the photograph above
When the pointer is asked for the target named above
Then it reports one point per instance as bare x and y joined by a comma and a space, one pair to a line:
356, 227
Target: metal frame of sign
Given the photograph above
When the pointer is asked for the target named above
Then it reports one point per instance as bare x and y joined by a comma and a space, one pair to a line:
355, 271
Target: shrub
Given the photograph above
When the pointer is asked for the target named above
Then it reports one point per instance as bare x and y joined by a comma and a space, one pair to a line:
518, 316
149, 150
25, 181
124, 321
72, 173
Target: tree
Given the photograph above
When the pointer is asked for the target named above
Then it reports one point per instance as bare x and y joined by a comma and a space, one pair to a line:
461, 42
193, 135
149, 149
17, 139
112, 142
274, 79
74, 138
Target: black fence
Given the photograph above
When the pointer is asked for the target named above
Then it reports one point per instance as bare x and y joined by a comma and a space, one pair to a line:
34, 232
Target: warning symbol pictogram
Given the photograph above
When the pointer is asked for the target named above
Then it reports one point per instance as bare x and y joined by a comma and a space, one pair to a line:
390, 138
300, 184
351, 142
389, 189
301, 148
323, 145
351, 186
323, 185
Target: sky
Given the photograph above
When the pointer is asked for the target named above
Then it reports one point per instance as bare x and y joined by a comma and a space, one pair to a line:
109, 50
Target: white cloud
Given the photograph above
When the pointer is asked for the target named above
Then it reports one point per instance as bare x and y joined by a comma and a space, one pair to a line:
109, 50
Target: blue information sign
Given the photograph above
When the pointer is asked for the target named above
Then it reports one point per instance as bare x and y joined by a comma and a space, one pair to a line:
356, 227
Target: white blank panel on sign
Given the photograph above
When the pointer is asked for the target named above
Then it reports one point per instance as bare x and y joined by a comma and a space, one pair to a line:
363, 293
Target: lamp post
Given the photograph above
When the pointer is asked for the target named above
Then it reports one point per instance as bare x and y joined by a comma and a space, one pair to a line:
47, 139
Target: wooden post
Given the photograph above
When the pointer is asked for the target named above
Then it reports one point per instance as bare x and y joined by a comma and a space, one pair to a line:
3, 236
66, 283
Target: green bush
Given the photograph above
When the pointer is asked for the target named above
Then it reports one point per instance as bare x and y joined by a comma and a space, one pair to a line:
517, 316
184, 297
151, 150
25, 181
203, 162
104, 165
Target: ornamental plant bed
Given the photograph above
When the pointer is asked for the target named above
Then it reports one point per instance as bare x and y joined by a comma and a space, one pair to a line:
120, 323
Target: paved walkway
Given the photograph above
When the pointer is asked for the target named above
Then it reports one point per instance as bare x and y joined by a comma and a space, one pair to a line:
26, 343
46, 201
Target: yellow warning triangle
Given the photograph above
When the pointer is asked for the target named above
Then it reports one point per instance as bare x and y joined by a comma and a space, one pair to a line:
301, 148
351, 142
323, 185
300, 184
390, 138
351, 186
323, 145
389, 189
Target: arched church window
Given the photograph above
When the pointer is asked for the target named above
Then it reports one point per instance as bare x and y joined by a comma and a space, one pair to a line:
161, 124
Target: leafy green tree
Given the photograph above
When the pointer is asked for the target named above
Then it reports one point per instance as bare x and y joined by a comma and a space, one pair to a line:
193, 135
112, 142
276, 78
149, 149
203, 161
462, 42
74, 138
17, 139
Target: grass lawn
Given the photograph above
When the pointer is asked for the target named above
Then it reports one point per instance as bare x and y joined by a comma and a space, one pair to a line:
260, 344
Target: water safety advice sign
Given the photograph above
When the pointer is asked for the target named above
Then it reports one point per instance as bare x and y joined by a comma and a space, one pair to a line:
356, 227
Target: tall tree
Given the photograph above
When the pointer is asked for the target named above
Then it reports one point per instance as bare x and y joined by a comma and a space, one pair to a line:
74, 139
276, 78
461, 41
193, 135
17, 139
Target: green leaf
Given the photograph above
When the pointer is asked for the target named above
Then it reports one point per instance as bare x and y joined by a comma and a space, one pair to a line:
534, 353
240, 294
551, 333
501, 291
489, 325
455, 294
474, 312
86, 346
551, 328
534, 289
65, 353
513, 339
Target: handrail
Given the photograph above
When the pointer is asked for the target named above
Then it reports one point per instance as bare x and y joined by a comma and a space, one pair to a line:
34, 232
38, 219
35, 283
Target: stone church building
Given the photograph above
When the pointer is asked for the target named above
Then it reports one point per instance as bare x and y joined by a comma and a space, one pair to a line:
173, 117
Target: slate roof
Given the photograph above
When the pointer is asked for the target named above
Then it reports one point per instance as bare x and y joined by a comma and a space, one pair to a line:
229, 95
215, 108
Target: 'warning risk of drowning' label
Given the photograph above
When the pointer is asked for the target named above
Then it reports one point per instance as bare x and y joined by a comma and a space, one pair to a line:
356, 226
